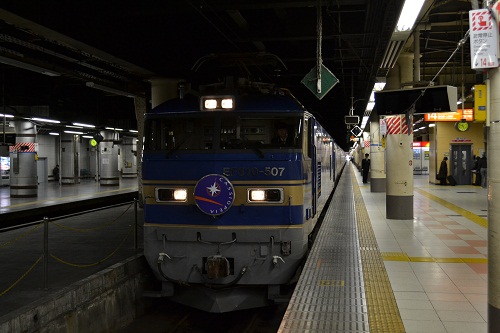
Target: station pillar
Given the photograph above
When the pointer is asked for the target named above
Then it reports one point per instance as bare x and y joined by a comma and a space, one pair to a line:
23, 156
377, 158
493, 190
129, 159
399, 182
70, 159
110, 176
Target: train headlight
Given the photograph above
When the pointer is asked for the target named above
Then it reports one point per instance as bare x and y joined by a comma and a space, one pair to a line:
257, 195
180, 194
171, 194
265, 195
227, 103
217, 103
210, 104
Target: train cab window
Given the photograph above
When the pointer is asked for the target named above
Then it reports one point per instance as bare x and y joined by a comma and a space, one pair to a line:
223, 131
261, 132
176, 134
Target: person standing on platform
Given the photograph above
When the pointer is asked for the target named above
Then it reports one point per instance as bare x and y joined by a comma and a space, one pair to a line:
483, 168
365, 167
476, 171
55, 172
443, 171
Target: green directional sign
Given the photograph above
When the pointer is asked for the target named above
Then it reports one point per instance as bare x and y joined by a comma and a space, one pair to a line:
328, 81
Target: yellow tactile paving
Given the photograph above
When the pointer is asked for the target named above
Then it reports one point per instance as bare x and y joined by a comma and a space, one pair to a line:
383, 312
401, 256
465, 213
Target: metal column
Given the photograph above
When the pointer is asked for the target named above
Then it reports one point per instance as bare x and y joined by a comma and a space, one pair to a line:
23, 155
399, 154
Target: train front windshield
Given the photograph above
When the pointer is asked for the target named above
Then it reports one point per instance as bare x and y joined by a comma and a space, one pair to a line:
223, 131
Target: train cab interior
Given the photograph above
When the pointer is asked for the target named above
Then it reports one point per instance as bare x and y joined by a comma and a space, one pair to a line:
224, 131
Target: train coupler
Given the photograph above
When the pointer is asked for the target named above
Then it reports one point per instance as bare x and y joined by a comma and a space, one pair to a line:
217, 267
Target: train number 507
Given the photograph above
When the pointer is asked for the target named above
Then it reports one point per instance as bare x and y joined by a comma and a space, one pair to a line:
274, 171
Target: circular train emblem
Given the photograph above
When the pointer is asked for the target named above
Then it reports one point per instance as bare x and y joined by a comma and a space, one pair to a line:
214, 194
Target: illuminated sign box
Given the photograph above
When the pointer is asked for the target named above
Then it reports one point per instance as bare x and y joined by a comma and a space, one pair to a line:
420, 144
467, 114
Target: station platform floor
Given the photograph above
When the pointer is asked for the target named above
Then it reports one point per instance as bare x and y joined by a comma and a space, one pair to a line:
367, 273
52, 193
56, 199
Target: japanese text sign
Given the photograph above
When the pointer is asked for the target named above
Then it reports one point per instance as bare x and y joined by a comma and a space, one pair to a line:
483, 39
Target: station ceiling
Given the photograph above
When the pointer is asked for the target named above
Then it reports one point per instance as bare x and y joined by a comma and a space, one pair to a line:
123, 44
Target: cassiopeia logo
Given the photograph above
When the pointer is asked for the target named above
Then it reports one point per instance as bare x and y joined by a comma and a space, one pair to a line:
214, 194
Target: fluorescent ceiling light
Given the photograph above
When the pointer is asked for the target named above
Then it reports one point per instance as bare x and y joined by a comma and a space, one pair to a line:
370, 106
379, 86
43, 120
30, 67
432, 125
364, 121
72, 126
6, 115
113, 129
133, 131
73, 132
84, 125
409, 14
53, 133
87, 136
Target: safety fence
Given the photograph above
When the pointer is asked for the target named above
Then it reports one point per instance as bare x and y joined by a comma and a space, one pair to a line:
32, 232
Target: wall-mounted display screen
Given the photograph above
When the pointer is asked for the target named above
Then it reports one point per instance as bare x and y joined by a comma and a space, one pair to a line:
5, 163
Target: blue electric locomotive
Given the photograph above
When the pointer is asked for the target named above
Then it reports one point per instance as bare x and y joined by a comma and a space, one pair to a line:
229, 205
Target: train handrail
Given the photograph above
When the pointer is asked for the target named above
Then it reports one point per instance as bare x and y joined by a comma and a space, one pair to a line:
217, 243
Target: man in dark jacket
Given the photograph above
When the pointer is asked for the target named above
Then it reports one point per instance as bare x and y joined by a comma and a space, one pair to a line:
443, 171
365, 166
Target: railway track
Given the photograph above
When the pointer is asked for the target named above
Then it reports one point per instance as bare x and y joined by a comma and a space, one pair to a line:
165, 316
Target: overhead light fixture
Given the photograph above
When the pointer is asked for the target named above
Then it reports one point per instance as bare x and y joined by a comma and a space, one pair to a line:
53, 133
29, 67
44, 120
110, 90
84, 125
6, 115
409, 14
379, 83
113, 128
73, 132
364, 121
370, 106
133, 131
